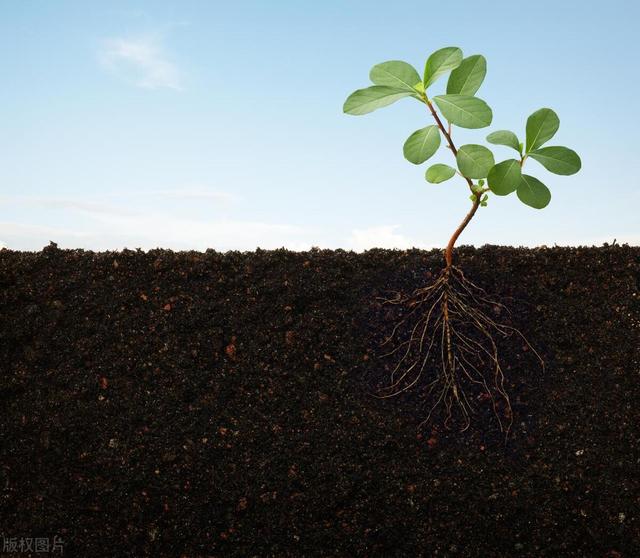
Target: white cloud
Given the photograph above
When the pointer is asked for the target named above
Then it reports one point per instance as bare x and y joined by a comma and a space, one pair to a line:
158, 229
114, 232
620, 238
381, 237
122, 203
24, 235
65, 204
132, 220
191, 194
141, 60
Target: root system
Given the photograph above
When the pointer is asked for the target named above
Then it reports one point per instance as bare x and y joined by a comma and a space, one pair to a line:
447, 346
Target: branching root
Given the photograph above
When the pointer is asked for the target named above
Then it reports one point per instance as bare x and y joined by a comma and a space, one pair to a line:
446, 345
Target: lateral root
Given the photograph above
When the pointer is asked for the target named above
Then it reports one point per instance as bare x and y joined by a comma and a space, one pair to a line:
446, 346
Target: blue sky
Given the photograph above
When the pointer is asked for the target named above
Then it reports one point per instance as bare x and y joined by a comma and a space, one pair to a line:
196, 124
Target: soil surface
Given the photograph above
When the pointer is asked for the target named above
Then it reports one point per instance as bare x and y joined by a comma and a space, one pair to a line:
206, 404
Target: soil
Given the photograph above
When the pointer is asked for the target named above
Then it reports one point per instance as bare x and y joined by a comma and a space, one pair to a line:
205, 404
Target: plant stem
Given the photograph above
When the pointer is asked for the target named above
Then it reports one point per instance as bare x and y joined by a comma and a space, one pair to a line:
448, 254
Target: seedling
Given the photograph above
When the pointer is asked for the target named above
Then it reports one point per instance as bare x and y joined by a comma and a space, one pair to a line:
451, 331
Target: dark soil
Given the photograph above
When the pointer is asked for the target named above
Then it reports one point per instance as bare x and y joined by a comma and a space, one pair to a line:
190, 404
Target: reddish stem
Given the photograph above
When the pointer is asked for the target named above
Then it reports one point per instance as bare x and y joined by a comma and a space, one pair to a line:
448, 255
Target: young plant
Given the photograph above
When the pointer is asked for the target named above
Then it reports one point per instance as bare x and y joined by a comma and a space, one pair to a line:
452, 315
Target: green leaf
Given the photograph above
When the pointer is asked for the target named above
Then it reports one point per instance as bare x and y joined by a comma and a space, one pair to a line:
464, 111
467, 78
474, 161
504, 177
440, 62
505, 137
422, 144
532, 192
541, 127
367, 100
439, 173
557, 159
395, 73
